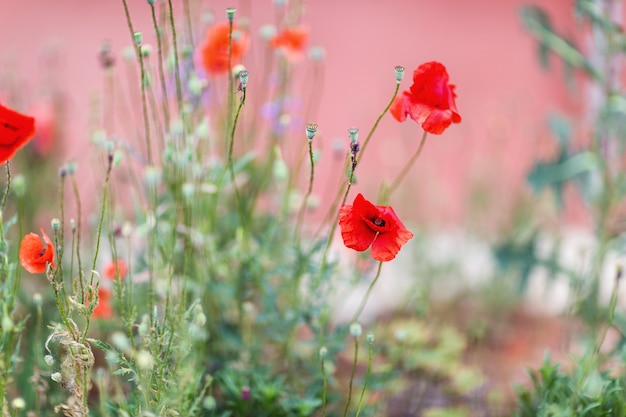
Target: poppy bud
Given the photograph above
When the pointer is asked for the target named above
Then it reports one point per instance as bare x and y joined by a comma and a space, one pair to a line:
370, 338
323, 352
317, 53
49, 360
151, 2
56, 377
354, 134
399, 73
18, 403
56, 224
243, 78
311, 130
267, 32
230, 13
138, 37
356, 329
146, 50
19, 185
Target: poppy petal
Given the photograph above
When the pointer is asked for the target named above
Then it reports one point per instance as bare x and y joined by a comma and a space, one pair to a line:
354, 231
16, 130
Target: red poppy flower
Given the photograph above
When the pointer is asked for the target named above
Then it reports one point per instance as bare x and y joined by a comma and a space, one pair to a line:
363, 224
291, 42
103, 310
16, 130
113, 268
35, 254
430, 100
214, 51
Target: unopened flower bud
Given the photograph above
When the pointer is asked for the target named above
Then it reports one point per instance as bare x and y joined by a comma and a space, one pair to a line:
356, 329
323, 352
243, 78
209, 403
267, 32
138, 37
56, 224
146, 50
354, 134
18, 403
317, 53
49, 360
151, 2
399, 73
37, 299
311, 130
56, 377
370, 338
230, 13
19, 185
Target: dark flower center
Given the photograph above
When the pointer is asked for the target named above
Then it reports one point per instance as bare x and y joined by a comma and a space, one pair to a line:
379, 222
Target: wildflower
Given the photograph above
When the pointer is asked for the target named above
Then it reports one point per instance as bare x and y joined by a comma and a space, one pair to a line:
35, 254
429, 101
363, 225
16, 130
291, 42
103, 310
214, 51
114, 269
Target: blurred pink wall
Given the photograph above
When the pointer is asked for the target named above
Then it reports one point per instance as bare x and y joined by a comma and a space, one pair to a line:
503, 95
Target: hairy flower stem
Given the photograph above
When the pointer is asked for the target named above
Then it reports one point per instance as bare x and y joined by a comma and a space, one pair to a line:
105, 194
367, 378
6, 193
305, 201
231, 165
179, 91
371, 133
159, 36
78, 236
367, 294
611, 313
356, 356
144, 101
229, 110
396, 182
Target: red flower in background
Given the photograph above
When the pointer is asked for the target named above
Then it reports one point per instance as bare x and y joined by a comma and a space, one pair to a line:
112, 268
214, 51
103, 310
363, 224
430, 100
291, 42
16, 130
44, 138
35, 254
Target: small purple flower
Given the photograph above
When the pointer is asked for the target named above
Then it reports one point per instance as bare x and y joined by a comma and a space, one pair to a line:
245, 393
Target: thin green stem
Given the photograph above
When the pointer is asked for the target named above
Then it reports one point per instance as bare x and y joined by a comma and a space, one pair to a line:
187, 11
611, 314
367, 377
231, 167
229, 110
78, 237
373, 129
356, 355
405, 170
144, 101
325, 387
179, 93
305, 201
105, 193
159, 35
367, 294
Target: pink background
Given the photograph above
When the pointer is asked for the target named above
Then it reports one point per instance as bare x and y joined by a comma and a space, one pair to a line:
503, 95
